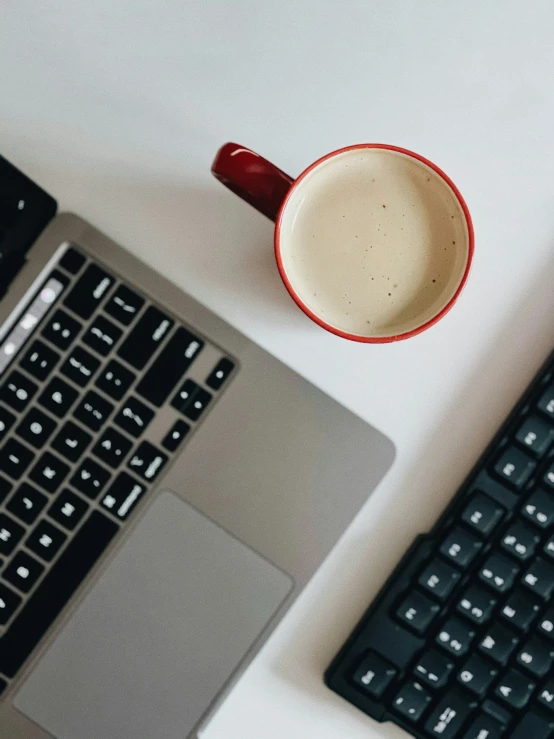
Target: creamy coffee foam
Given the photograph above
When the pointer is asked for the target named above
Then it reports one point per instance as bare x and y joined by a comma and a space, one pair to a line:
374, 242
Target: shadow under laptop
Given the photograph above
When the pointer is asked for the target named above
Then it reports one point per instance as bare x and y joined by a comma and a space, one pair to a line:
420, 496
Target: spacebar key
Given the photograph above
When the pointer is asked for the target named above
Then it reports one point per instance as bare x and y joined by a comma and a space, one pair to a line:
54, 591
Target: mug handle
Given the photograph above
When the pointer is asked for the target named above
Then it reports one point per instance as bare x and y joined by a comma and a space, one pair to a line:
252, 178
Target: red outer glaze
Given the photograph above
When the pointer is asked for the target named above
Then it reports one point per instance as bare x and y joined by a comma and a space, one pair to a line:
263, 186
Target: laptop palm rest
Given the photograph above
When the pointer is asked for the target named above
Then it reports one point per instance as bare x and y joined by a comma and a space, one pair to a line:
158, 635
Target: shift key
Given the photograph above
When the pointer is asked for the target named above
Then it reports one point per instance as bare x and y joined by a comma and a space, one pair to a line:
145, 338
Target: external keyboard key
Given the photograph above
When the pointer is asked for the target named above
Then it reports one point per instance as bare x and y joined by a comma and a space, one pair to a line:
102, 335
498, 643
61, 330
433, 668
93, 411
26, 503
439, 579
71, 441
545, 696
220, 373
514, 467
477, 675
482, 514
68, 509
460, 547
115, 380
548, 477
546, 624
172, 363
484, 727
411, 701
520, 610
36, 428
546, 402
89, 291
46, 540
374, 675
112, 447
477, 604
15, 458
23, 571
49, 472
40, 360
449, 716
80, 366
90, 478
134, 417
7, 420
532, 726
548, 548
498, 572
456, 636
123, 495
536, 435
536, 657
520, 540
417, 612
147, 461
539, 578
496, 711
58, 397
146, 337
9, 602
514, 689
175, 435
18, 391
539, 509
54, 591
10, 534
124, 305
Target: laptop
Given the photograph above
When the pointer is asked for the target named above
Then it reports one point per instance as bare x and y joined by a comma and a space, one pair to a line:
167, 488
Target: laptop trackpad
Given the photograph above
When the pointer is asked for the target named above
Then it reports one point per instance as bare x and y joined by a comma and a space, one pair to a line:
151, 645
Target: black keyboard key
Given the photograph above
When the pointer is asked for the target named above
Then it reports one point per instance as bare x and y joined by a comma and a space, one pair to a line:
545, 695
220, 373
58, 397
433, 668
498, 572
49, 472
374, 675
514, 689
5, 488
439, 579
134, 417
61, 330
533, 726
115, 380
171, 364
536, 657
548, 477
23, 571
15, 458
9, 602
496, 711
548, 548
80, 366
498, 643
456, 636
546, 623
112, 447
460, 547
68, 509
198, 404
124, 305
514, 467
46, 540
146, 337
18, 391
71, 441
102, 335
411, 701
40, 360
90, 478
477, 604
72, 261
449, 716
54, 591
10, 534
175, 435
185, 395
539, 578
520, 540
482, 514
93, 411
539, 509
89, 291
147, 461
36, 428
520, 610
546, 402
417, 611
7, 420
26, 503
477, 675
484, 727
123, 495
536, 435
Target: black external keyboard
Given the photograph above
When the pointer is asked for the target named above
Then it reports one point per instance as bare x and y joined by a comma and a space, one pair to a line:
459, 643
98, 393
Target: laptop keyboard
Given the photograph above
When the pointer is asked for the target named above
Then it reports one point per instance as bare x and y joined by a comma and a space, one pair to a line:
459, 643
99, 389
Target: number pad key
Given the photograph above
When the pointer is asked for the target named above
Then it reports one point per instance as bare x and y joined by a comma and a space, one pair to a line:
112, 447
26, 503
439, 579
539, 509
460, 547
90, 478
456, 636
477, 604
483, 514
10, 534
147, 461
15, 458
9, 603
58, 397
68, 509
18, 391
102, 335
36, 428
46, 541
411, 701
417, 611
514, 467
7, 420
23, 571
80, 366
433, 668
93, 411
61, 330
71, 441
40, 360
520, 540
498, 572
134, 417
115, 380
49, 472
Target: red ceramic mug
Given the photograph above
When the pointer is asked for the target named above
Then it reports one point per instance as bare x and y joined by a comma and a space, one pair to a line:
373, 242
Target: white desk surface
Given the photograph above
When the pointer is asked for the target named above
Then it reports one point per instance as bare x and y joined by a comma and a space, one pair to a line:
118, 108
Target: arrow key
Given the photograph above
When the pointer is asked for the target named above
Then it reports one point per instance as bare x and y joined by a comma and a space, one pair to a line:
9, 601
